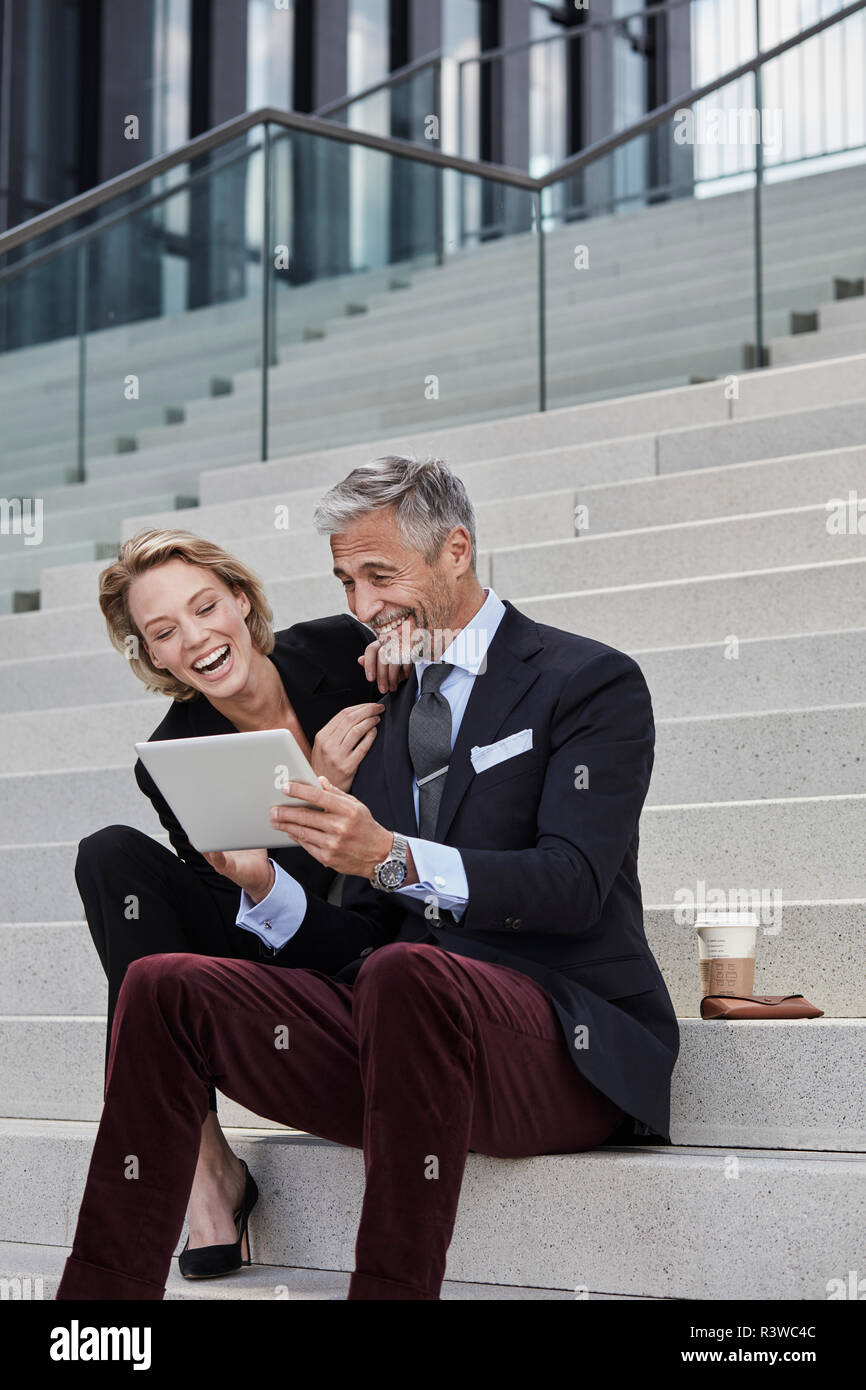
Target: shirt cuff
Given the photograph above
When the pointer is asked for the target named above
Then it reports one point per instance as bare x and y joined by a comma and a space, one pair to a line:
442, 881
278, 916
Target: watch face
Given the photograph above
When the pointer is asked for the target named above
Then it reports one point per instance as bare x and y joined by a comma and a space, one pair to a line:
392, 873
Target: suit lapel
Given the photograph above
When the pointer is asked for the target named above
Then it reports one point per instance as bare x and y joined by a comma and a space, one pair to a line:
495, 691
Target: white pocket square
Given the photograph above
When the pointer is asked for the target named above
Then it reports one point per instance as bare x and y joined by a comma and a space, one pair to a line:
492, 753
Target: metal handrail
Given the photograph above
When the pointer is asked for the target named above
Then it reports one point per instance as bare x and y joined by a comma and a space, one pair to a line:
232, 130
124, 214
331, 130
392, 79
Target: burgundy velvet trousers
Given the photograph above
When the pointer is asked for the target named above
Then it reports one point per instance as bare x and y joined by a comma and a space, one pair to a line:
426, 1057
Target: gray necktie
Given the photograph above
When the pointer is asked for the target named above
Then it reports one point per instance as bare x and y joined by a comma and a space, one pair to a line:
430, 745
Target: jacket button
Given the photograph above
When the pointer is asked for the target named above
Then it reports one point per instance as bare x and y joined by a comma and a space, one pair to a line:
517, 924
366, 951
509, 922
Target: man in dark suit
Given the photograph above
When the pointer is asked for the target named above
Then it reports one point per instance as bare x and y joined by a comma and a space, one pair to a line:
505, 1000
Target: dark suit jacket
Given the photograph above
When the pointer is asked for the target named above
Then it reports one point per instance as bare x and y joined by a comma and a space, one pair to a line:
318, 664
551, 864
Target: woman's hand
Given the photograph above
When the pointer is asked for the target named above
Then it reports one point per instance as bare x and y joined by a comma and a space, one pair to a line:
344, 742
248, 868
385, 673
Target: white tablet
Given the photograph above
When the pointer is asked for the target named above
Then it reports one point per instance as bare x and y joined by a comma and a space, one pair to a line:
222, 788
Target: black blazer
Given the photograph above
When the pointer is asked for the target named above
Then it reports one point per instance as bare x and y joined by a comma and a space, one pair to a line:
318, 664
551, 863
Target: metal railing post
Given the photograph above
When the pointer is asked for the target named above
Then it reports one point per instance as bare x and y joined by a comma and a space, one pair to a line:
438, 174
267, 253
542, 304
758, 208
81, 331
461, 197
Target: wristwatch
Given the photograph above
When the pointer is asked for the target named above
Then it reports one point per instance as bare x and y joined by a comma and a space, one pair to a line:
391, 872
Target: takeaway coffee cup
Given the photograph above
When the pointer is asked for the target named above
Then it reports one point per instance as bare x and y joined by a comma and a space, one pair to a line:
726, 948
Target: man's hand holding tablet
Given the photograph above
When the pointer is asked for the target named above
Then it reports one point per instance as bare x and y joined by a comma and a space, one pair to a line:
334, 827
337, 829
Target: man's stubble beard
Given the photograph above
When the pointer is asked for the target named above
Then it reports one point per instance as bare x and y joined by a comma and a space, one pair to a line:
433, 632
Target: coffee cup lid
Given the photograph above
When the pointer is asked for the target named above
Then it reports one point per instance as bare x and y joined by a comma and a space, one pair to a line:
720, 918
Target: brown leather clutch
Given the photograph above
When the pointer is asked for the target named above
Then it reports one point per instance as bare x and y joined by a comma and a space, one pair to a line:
758, 1006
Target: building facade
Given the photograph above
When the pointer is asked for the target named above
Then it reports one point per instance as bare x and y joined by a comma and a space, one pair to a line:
73, 71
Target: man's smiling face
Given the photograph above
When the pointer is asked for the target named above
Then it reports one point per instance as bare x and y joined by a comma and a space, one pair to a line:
409, 604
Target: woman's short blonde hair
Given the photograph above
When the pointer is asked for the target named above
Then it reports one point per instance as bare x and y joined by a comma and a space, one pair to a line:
144, 552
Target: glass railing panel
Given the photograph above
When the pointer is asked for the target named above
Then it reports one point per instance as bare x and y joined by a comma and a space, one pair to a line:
812, 221
407, 109
650, 270
384, 323
174, 315
39, 376
17, 260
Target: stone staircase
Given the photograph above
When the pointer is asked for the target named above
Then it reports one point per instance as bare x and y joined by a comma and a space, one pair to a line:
704, 551
355, 353
687, 525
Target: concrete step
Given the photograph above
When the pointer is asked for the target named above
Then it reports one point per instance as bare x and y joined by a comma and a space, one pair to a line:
759, 674
761, 603
843, 313
812, 948
712, 677
95, 678
706, 263
742, 1084
801, 847
796, 480
68, 526
766, 436
71, 803
78, 770
534, 548
632, 503
810, 752
129, 488
815, 347
38, 1270
38, 477
37, 882
827, 584
527, 432
480, 354
681, 549
491, 485
81, 736
163, 332
629, 315
790, 1222
32, 429
21, 564
464, 389
228, 448
789, 389
797, 847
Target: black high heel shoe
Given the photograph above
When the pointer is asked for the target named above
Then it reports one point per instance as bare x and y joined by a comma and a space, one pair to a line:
210, 1261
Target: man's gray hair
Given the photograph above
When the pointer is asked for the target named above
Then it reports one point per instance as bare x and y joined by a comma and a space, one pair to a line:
428, 499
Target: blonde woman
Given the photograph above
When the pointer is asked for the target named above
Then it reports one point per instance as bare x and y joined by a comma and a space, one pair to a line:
195, 624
